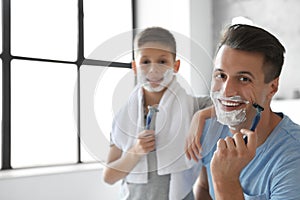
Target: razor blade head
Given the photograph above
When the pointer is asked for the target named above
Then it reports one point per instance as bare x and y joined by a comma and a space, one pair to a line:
258, 107
153, 108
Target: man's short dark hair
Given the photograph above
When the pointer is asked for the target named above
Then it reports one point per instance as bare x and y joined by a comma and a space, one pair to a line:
255, 39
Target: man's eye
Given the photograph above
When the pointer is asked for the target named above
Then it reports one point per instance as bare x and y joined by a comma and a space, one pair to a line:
220, 76
245, 79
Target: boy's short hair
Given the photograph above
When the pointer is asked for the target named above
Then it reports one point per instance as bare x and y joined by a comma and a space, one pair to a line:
156, 34
255, 39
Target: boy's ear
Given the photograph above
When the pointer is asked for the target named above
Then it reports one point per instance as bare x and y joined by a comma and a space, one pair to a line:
133, 67
176, 66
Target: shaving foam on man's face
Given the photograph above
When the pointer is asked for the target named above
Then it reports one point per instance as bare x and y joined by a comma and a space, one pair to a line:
237, 83
225, 109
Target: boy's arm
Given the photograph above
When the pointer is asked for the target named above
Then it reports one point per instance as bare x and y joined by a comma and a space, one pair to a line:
120, 164
192, 144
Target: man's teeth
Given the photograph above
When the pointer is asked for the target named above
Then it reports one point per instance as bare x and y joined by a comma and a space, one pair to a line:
232, 104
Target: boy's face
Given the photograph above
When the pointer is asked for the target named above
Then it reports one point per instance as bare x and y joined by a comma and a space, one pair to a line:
154, 66
237, 83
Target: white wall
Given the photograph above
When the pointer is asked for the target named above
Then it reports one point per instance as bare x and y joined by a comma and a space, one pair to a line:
280, 17
190, 22
84, 185
202, 49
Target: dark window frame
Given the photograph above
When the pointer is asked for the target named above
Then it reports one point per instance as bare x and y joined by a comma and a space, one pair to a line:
6, 58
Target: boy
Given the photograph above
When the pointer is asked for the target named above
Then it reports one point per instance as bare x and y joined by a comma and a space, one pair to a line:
152, 162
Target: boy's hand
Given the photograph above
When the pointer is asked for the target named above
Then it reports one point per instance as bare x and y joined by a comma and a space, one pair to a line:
192, 144
145, 142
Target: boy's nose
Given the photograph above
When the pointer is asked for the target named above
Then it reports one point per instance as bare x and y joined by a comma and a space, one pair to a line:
154, 68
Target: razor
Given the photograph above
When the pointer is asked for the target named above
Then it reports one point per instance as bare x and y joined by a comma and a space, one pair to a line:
150, 120
256, 119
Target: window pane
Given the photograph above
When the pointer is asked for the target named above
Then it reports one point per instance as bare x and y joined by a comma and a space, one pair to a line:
103, 91
43, 129
44, 29
1, 112
104, 21
1, 30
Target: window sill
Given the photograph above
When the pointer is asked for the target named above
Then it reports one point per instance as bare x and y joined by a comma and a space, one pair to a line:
43, 171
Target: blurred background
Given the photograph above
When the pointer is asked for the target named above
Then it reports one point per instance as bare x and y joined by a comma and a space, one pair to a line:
66, 71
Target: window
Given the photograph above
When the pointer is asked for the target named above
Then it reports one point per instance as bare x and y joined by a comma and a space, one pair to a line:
42, 118
1, 110
44, 29
45, 45
108, 89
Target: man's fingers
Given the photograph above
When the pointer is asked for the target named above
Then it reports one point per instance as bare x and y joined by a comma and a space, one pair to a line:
230, 143
221, 145
252, 139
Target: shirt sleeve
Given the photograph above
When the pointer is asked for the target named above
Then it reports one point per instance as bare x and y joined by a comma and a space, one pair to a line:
202, 102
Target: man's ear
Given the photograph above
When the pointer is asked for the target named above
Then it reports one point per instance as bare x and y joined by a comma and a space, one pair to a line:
176, 66
273, 87
133, 67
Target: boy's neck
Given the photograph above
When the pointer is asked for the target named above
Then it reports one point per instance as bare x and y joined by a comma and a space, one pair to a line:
152, 98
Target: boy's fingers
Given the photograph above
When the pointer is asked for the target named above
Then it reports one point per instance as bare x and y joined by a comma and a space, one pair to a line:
195, 149
192, 150
147, 133
192, 155
187, 154
198, 145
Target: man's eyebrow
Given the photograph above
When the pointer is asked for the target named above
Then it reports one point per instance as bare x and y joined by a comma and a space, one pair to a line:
246, 72
219, 70
239, 73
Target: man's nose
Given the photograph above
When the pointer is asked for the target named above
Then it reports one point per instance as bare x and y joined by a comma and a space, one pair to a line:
229, 88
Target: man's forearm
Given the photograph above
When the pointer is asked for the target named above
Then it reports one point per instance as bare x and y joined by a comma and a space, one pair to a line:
228, 190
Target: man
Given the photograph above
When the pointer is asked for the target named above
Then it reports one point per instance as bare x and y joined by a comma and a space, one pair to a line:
246, 76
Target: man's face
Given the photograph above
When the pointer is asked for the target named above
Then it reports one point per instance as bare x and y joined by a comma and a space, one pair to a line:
237, 83
155, 65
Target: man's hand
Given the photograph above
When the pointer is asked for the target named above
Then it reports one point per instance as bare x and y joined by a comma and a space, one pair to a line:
230, 157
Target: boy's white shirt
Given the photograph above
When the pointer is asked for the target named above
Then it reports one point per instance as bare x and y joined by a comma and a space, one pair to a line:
176, 109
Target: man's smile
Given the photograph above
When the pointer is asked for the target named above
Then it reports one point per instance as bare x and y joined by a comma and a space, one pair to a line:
229, 105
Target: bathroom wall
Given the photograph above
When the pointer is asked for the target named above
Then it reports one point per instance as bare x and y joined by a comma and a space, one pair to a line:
280, 17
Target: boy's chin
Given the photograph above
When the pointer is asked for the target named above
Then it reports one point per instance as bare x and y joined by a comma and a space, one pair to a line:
158, 88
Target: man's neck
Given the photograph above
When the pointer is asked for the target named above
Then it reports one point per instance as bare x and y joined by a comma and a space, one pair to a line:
269, 120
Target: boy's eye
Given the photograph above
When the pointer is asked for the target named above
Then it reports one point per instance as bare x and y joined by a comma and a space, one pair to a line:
162, 62
145, 62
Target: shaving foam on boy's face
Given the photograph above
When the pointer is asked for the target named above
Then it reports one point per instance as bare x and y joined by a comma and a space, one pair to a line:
230, 111
155, 66
154, 78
